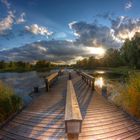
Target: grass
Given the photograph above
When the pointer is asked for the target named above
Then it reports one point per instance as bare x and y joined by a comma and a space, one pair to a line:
121, 70
9, 102
129, 97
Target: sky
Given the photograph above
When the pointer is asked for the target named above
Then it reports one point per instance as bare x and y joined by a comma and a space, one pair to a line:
64, 30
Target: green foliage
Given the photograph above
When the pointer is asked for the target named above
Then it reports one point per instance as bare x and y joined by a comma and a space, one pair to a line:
42, 65
112, 58
128, 55
130, 52
9, 102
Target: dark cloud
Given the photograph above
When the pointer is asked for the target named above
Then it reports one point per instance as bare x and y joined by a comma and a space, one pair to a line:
125, 27
55, 50
93, 35
96, 35
87, 35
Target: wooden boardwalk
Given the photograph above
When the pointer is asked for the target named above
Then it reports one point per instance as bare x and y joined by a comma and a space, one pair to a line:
44, 118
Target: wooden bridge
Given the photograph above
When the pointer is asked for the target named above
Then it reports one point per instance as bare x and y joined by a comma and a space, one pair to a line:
44, 118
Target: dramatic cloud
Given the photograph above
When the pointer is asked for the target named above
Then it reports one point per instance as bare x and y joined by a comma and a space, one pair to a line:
21, 19
128, 5
94, 35
7, 22
38, 30
90, 40
55, 51
125, 27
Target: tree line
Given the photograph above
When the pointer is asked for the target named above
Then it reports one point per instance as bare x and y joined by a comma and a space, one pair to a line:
127, 55
20, 66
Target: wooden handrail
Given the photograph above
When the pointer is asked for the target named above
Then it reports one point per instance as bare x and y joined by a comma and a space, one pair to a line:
49, 80
87, 75
61, 71
88, 79
73, 117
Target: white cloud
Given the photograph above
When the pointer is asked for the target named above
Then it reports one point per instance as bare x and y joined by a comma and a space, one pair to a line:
71, 24
21, 19
71, 27
125, 27
128, 5
7, 22
11, 19
6, 3
42, 48
38, 30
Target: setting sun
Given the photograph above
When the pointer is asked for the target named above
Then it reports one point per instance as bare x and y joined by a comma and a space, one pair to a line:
98, 51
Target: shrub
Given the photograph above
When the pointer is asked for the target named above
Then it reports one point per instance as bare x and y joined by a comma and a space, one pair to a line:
9, 102
129, 97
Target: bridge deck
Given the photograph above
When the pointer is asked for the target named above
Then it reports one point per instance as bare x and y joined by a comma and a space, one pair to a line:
44, 118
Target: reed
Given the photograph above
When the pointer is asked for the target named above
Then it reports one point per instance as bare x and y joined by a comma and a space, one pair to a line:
9, 102
129, 97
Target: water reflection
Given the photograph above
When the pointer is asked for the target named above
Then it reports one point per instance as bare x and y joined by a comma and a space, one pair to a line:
99, 82
99, 71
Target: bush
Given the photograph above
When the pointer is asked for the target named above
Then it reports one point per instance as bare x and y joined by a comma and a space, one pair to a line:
9, 102
129, 97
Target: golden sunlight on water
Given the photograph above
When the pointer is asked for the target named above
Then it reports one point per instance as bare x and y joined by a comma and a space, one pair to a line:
99, 82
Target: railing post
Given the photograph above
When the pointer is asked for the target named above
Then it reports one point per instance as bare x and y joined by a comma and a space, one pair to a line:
47, 84
82, 77
36, 90
69, 75
104, 91
90, 83
87, 81
93, 86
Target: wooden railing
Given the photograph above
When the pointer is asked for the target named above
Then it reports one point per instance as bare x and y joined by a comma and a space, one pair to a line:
50, 79
88, 79
73, 117
61, 71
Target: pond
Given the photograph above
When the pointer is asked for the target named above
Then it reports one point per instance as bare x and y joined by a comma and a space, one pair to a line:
23, 83
104, 77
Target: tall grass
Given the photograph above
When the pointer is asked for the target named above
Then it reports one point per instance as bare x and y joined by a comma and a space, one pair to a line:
9, 102
129, 97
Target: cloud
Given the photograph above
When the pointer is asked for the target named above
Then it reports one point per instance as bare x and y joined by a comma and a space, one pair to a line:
94, 35
7, 22
38, 30
21, 19
97, 35
125, 27
54, 50
6, 3
128, 5
71, 24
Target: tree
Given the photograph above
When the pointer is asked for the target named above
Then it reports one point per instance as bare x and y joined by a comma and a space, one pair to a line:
130, 51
